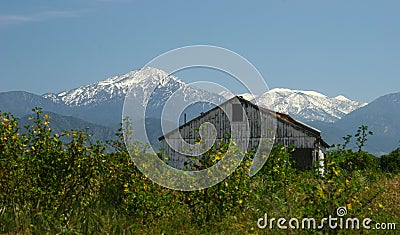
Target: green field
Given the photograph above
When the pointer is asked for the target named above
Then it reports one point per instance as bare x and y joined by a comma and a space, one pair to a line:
62, 183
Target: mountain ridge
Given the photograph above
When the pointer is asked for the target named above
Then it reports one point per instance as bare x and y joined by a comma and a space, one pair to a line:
303, 105
101, 104
109, 95
382, 118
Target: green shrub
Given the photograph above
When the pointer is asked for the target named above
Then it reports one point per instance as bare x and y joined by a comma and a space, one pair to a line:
391, 162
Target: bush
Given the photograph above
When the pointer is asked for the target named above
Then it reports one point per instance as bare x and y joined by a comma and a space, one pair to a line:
391, 162
359, 161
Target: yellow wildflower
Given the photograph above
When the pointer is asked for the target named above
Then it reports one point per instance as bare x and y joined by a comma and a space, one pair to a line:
349, 206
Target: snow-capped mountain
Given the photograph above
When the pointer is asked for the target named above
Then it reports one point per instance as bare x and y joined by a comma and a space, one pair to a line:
116, 86
304, 105
308, 105
102, 102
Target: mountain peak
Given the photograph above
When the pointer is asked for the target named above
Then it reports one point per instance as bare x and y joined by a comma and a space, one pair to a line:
135, 76
116, 86
303, 105
341, 97
308, 105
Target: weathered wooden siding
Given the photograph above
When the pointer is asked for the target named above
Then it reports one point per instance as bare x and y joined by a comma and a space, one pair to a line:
287, 133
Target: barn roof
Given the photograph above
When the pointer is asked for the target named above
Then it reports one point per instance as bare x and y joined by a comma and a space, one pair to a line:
280, 116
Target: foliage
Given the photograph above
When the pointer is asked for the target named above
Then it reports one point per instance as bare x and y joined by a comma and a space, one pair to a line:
362, 136
359, 160
391, 162
64, 183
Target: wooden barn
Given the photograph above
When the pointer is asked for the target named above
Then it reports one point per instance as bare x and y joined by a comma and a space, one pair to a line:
251, 125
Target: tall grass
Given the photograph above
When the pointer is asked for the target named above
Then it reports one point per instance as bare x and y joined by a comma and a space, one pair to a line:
62, 183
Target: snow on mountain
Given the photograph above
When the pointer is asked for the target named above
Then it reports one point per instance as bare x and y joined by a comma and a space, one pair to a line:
302, 105
228, 95
114, 87
342, 98
148, 85
308, 105
248, 96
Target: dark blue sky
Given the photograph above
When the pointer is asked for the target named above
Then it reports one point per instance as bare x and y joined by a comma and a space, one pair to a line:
346, 48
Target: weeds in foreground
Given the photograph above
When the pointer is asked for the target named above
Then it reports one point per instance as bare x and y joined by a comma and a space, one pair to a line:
65, 183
